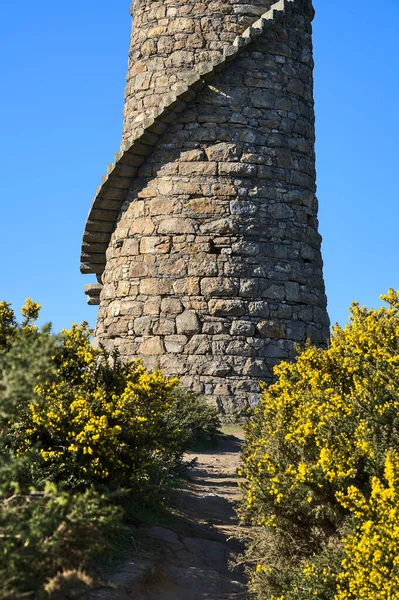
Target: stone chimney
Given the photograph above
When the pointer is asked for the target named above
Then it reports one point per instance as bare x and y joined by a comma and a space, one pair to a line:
204, 233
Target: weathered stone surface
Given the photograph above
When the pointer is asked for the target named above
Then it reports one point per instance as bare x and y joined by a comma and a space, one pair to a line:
270, 329
226, 308
142, 326
188, 286
176, 225
213, 269
245, 328
218, 286
188, 323
151, 346
175, 343
223, 152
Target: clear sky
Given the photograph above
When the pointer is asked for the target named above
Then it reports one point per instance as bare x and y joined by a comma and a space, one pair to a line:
63, 68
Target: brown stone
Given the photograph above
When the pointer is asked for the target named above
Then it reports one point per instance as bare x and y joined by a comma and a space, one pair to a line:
152, 346
218, 286
228, 308
171, 306
176, 225
192, 155
138, 270
149, 245
152, 306
150, 287
223, 152
188, 286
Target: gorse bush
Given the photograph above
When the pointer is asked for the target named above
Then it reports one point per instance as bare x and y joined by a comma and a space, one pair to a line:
99, 420
322, 470
82, 436
43, 529
47, 532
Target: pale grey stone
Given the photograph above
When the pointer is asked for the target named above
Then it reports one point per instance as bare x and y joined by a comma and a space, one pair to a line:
188, 323
246, 328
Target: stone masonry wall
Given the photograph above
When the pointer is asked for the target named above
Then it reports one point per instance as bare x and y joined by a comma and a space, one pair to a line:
170, 38
214, 269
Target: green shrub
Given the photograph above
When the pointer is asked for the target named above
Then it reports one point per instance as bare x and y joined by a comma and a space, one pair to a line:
86, 441
47, 532
193, 419
43, 530
321, 468
100, 421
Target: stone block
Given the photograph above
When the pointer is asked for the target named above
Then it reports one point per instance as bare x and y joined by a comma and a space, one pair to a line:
192, 155
201, 206
248, 288
244, 328
223, 152
171, 306
175, 343
199, 344
188, 323
174, 268
203, 265
296, 331
271, 329
142, 326
292, 291
173, 365
150, 287
154, 245
189, 286
258, 308
123, 288
152, 306
256, 367
130, 247
216, 327
181, 25
218, 227
237, 169
227, 308
218, 286
243, 208
198, 168
164, 326
274, 291
217, 368
139, 269
223, 189
163, 206
176, 225
152, 346
284, 311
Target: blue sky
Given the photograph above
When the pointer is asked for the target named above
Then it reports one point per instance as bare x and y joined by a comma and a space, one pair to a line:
63, 68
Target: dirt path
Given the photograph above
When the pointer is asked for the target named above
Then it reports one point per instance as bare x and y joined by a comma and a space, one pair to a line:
189, 559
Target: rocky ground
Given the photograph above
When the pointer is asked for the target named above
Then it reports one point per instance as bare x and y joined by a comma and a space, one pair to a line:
189, 559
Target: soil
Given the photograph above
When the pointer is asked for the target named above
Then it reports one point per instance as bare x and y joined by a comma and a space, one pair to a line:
190, 558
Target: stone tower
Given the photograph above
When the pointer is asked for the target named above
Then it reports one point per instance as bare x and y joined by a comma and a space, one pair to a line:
204, 233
